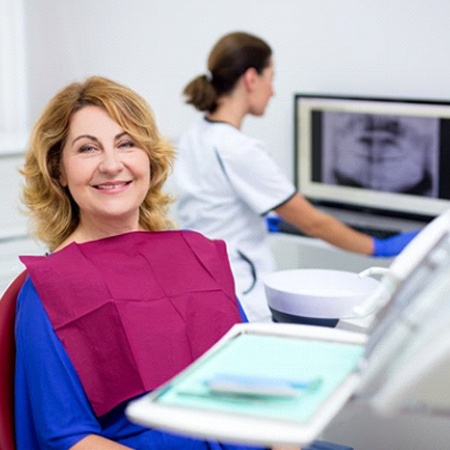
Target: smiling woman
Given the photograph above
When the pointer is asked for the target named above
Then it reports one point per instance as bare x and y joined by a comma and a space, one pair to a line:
121, 304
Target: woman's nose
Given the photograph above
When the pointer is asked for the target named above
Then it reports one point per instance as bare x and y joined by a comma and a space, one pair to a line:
111, 162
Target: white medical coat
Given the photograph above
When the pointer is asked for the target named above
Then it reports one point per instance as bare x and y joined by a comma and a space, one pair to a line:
226, 182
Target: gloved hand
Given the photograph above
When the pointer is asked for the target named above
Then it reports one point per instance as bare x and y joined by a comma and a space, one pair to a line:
273, 222
393, 245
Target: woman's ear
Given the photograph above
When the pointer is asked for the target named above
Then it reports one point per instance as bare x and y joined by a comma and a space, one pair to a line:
62, 179
249, 77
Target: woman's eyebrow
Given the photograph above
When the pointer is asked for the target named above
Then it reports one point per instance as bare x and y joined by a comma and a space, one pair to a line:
118, 136
84, 136
93, 138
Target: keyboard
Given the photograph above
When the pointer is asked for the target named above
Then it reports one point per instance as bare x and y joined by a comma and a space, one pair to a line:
375, 232
286, 227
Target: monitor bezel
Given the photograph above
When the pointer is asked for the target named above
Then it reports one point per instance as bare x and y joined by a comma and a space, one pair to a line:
425, 210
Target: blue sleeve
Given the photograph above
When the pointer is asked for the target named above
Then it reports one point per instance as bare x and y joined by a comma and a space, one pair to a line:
52, 410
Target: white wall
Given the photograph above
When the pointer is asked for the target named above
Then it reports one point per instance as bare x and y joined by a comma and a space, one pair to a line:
371, 47
368, 47
13, 223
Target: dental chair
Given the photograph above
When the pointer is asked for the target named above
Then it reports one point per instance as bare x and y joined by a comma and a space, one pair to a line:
7, 362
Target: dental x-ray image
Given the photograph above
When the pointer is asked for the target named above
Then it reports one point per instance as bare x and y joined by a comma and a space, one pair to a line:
387, 153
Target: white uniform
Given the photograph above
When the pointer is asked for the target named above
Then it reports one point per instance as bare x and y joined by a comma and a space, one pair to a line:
226, 182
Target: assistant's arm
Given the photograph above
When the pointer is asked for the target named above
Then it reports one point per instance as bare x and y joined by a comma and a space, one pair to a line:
315, 223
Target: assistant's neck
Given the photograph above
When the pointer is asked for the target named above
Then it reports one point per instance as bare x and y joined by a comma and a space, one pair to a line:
231, 109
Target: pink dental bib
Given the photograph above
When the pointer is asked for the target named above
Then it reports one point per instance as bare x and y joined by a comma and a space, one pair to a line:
134, 310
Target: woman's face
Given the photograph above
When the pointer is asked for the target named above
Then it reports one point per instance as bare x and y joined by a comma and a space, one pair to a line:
107, 174
263, 91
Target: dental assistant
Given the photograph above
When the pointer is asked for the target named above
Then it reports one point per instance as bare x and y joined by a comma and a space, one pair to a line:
227, 182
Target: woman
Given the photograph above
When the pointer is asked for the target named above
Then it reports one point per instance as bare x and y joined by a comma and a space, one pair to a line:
110, 314
227, 181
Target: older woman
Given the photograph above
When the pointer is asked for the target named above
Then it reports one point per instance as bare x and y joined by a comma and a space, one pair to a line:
120, 305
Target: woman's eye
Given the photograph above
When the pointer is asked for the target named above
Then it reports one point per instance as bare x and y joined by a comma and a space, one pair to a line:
127, 144
87, 149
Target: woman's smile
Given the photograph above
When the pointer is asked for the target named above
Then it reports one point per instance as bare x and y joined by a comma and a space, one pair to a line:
112, 186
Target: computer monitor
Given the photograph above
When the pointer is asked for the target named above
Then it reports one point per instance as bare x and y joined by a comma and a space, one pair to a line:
378, 155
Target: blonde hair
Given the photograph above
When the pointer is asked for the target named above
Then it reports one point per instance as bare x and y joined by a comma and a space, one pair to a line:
229, 59
54, 211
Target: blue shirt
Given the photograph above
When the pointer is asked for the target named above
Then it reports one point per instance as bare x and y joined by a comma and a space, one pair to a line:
51, 407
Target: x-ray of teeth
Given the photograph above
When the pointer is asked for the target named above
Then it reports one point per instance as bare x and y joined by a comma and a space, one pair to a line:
381, 152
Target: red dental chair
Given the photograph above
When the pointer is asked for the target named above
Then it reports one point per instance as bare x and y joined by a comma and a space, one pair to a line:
7, 362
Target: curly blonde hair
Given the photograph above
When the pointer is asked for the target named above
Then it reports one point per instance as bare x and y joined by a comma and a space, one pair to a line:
54, 211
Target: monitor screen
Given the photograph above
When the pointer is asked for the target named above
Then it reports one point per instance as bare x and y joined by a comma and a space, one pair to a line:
390, 156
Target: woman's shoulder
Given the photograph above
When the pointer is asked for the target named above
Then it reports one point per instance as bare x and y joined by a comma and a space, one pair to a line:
29, 309
27, 290
230, 140
226, 139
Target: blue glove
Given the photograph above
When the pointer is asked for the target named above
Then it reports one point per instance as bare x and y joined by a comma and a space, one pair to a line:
272, 222
393, 245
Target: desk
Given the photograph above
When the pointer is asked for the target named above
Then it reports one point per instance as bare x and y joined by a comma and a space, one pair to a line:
300, 252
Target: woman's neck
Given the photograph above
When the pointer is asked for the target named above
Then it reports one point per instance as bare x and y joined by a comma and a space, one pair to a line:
225, 118
232, 109
93, 232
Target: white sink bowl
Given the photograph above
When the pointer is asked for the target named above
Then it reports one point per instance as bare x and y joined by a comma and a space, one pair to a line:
316, 296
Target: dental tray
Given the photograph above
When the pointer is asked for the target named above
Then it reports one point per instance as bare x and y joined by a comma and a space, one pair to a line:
262, 384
